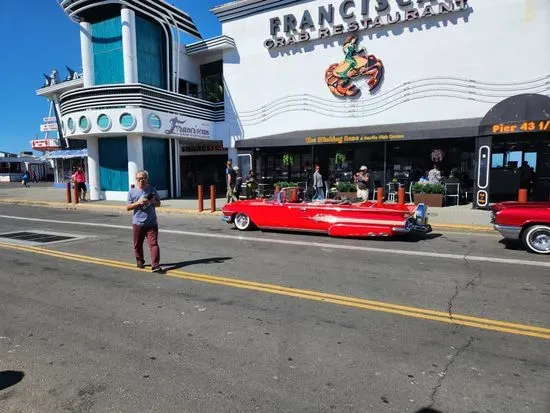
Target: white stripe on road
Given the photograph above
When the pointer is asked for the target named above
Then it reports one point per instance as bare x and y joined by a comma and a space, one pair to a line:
495, 260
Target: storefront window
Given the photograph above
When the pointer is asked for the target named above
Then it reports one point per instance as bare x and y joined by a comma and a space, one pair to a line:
497, 160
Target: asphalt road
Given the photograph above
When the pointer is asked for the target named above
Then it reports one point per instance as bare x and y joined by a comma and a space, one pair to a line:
267, 322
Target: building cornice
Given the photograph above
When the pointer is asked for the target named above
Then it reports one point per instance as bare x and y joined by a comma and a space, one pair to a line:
243, 8
214, 44
161, 10
60, 87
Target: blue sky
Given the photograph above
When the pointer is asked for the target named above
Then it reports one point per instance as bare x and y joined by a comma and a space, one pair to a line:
38, 37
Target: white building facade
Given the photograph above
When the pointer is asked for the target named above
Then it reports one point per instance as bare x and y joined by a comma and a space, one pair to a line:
144, 100
397, 85
439, 81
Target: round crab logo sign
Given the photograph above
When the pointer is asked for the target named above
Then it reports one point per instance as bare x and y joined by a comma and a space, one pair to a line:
357, 63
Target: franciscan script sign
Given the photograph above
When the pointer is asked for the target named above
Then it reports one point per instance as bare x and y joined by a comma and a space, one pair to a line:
357, 15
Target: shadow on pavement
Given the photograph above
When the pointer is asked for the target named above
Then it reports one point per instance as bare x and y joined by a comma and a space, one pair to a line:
511, 244
428, 410
177, 265
412, 237
10, 378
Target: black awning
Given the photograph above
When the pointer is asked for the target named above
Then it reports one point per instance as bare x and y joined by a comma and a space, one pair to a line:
459, 128
514, 111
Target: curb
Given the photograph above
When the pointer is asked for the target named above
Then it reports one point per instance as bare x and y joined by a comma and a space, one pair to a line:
181, 211
93, 206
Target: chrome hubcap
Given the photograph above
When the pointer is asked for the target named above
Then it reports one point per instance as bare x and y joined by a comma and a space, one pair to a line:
241, 221
540, 240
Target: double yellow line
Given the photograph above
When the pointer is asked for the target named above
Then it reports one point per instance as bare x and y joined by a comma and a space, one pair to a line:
457, 319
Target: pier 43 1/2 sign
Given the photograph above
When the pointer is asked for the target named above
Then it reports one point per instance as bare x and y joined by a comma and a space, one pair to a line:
357, 17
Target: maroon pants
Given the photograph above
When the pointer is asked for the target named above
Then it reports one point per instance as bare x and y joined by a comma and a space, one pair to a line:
151, 233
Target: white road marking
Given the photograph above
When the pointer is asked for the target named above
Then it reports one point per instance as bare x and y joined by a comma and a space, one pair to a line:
460, 257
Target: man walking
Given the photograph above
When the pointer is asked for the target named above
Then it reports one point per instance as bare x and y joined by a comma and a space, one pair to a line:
318, 184
143, 200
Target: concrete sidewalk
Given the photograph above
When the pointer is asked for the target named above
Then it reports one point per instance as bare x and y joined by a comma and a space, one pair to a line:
461, 217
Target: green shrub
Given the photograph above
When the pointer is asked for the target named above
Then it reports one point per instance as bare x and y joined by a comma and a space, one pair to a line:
427, 188
284, 184
346, 187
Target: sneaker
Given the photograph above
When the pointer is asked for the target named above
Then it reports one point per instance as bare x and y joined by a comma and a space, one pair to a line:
140, 265
158, 268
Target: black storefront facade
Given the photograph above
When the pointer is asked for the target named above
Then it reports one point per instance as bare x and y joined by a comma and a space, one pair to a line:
493, 157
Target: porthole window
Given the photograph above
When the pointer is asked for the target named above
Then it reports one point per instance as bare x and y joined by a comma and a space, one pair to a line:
154, 121
70, 125
127, 121
84, 124
104, 122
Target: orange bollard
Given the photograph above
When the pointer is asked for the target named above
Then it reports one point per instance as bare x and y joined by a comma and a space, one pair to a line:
201, 198
522, 196
379, 196
68, 194
401, 196
76, 193
212, 198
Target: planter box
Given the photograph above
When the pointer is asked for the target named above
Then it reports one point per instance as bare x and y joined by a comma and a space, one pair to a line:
349, 195
431, 200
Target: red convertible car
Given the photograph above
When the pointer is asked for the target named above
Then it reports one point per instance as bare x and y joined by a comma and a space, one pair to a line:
288, 211
528, 222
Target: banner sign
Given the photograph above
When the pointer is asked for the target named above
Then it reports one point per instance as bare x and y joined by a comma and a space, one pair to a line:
45, 144
518, 127
319, 140
49, 119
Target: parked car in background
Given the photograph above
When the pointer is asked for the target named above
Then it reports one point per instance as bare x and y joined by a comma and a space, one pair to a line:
528, 222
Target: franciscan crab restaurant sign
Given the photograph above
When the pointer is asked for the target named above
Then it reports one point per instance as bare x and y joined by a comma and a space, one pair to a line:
179, 126
357, 16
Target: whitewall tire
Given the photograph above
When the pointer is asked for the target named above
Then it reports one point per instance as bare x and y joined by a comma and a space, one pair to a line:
537, 239
242, 222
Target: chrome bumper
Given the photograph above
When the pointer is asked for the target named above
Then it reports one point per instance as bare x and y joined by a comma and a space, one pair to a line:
423, 229
509, 232
227, 218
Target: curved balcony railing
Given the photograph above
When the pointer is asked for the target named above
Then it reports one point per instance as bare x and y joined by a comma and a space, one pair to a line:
144, 96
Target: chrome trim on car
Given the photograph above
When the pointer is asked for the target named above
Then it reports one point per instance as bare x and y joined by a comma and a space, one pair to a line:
227, 218
508, 231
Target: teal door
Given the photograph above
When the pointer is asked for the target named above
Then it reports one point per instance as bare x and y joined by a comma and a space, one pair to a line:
113, 164
156, 162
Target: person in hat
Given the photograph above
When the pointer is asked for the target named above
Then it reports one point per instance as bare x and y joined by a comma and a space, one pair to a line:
362, 179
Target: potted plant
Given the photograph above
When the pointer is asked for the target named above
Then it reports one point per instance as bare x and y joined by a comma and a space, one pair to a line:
346, 189
429, 194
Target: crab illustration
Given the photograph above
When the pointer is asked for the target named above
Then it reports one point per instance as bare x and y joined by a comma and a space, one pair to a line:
357, 63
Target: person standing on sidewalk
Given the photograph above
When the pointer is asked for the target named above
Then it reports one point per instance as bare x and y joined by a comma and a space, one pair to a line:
231, 177
318, 184
143, 200
79, 179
